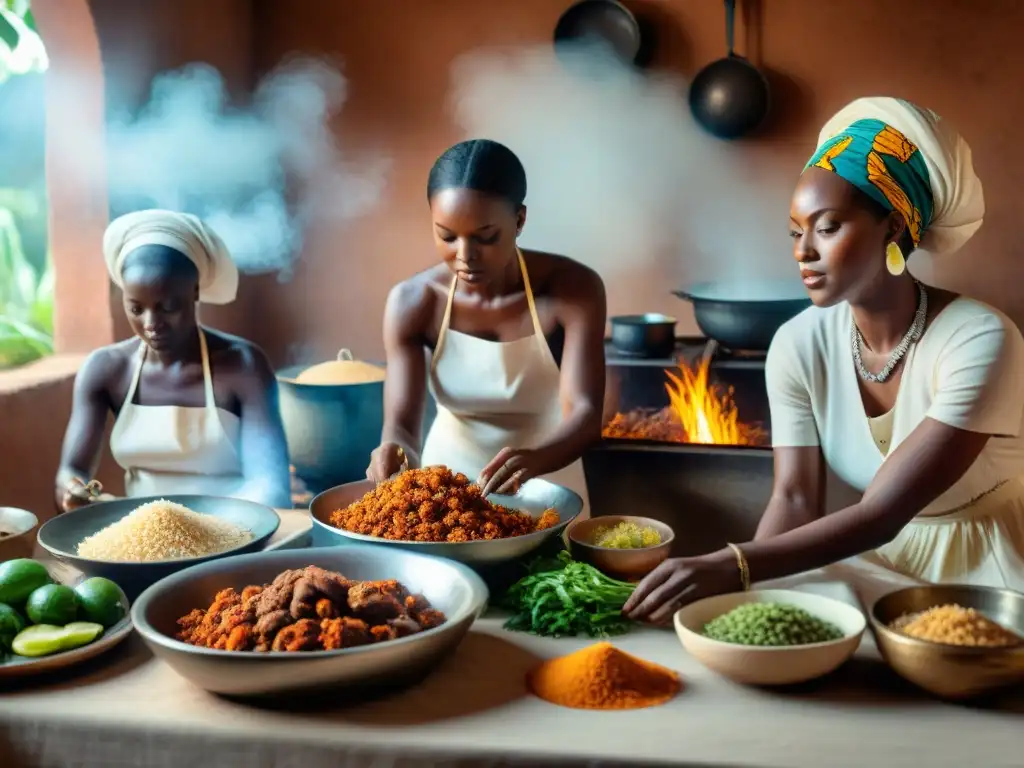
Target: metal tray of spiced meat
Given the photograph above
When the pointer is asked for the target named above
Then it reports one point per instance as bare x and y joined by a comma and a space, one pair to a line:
534, 497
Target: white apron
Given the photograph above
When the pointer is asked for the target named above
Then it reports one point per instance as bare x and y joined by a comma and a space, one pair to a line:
492, 395
171, 449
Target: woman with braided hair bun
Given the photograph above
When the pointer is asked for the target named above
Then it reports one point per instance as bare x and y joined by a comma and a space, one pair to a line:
515, 339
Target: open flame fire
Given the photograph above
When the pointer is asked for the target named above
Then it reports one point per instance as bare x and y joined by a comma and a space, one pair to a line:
699, 411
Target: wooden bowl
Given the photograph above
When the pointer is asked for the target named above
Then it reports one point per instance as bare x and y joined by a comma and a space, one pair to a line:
622, 564
951, 671
20, 526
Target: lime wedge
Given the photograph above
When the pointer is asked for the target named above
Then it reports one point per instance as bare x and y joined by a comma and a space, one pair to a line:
79, 633
38, 640
46, 639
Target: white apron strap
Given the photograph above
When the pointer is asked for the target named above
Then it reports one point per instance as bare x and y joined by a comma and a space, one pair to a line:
537, 329
211, 401
129, 399
445, 322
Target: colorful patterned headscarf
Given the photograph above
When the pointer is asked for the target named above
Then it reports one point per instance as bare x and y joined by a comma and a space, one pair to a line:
908, 160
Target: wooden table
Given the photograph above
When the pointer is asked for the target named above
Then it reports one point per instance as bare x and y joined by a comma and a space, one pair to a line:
127, 709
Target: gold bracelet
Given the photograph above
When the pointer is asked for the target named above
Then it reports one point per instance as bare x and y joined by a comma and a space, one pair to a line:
741, 562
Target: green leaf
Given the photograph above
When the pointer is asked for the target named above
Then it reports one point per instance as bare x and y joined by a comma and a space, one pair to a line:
8, 34
18, 280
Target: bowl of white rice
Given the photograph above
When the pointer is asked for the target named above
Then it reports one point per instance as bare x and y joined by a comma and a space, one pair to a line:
136, 542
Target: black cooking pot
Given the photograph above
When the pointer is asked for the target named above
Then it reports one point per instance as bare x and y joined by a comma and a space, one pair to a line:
648, 335
606, 22
744, 316
730, 97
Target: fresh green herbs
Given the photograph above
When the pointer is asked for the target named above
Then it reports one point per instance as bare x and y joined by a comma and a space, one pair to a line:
567, 598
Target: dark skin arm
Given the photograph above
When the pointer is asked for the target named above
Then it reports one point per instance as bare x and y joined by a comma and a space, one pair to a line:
581, 296
798, 491
406, 313
925, 465
264, 450
83, 438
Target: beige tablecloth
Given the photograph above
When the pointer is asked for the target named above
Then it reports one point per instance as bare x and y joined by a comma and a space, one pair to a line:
127, 709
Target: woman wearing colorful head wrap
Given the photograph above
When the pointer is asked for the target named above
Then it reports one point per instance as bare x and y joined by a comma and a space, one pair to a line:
196, 410
910, 394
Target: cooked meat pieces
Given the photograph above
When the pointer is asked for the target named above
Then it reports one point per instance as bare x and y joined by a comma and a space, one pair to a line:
377, 601
308, 609
269, 624
303, 635
344, 632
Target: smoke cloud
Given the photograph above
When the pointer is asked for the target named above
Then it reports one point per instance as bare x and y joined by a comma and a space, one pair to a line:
258, 175
620, 176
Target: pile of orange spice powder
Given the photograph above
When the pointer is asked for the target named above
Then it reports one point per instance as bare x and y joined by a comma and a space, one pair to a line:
601, 676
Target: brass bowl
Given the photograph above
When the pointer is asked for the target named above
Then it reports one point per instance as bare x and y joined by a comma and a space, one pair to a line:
951, 671
622, 564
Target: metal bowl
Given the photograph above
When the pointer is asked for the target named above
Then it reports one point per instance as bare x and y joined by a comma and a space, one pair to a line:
17, 533
951, 671
62, 535
535, 496
623, 564
452, 588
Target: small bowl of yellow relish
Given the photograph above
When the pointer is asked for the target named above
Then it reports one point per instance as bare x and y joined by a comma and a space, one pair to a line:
624, 547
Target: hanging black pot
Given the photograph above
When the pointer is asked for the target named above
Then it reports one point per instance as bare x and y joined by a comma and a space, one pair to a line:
730, 97
605, 22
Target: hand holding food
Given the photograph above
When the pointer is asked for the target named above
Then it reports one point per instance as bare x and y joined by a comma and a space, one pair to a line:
508, 471
679, 581
79, 494
387, 460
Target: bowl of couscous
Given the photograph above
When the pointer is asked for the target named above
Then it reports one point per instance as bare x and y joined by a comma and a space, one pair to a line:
954, 641
625, 547
135, 542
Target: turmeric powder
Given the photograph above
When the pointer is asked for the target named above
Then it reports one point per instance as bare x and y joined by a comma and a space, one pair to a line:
601, 676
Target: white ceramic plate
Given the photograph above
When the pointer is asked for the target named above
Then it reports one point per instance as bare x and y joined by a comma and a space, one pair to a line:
773, 665
22, 666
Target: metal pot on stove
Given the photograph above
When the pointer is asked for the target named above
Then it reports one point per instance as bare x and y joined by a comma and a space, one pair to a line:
742, 315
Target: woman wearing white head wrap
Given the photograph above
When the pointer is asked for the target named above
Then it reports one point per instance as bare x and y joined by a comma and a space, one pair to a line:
908, 393
179, 429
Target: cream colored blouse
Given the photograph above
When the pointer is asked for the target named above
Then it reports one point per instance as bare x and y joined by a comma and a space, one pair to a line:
967, 371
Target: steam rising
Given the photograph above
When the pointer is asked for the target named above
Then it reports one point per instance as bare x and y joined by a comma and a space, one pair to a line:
620, 177
259, 176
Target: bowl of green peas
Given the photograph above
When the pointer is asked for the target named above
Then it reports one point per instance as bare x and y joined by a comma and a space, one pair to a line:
770, 636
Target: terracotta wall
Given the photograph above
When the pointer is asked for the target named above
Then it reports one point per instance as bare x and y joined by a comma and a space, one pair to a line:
962, 59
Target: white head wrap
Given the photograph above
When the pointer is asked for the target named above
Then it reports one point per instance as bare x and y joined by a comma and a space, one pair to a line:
218, 275
959, 202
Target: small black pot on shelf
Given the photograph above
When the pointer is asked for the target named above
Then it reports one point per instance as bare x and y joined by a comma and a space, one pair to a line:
648, 335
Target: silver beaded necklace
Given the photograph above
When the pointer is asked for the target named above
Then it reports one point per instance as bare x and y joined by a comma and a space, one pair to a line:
910, 337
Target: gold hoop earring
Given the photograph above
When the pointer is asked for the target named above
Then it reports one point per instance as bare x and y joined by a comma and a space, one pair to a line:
894, 260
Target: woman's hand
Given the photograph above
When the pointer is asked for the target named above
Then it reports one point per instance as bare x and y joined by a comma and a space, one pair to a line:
680, 581
79, 494
508, 471
386, 460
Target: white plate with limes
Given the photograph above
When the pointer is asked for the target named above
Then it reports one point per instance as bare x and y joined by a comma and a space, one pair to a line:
57, 615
